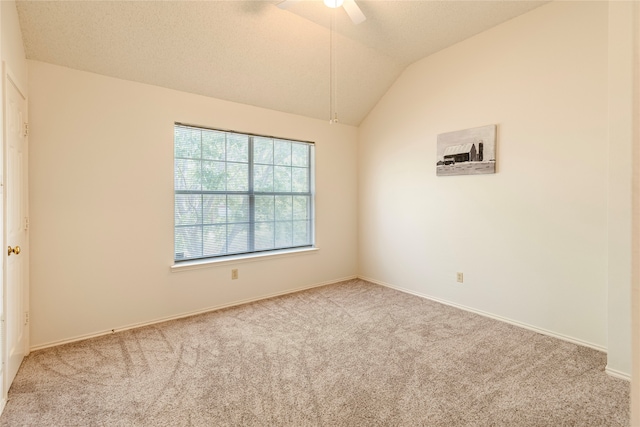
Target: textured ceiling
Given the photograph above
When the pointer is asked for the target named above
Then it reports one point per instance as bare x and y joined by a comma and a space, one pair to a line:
252, 52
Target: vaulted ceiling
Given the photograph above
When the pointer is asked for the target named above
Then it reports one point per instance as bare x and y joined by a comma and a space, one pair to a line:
253, 52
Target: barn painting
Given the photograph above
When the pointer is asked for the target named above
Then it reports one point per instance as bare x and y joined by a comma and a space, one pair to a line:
467, 152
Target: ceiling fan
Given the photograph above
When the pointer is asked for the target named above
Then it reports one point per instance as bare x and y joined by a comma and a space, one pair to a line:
349, 6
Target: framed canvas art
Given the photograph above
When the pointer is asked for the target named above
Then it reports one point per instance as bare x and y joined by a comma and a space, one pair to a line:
467, 152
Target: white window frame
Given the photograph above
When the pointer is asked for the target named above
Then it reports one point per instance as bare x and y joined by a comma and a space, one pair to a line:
251, 251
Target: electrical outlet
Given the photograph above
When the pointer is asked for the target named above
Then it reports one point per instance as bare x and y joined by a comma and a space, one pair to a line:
234, 274
459, 277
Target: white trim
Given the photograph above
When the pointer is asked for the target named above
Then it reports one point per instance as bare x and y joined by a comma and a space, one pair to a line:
215, 262
617, 374
490, 315
4, 389
188, 314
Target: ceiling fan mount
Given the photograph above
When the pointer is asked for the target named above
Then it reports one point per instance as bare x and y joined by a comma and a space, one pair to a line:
350, 7
333, 3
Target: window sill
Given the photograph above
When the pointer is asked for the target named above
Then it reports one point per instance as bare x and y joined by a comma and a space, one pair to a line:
206, 263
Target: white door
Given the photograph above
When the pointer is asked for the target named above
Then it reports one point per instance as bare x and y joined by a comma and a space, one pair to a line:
16, 240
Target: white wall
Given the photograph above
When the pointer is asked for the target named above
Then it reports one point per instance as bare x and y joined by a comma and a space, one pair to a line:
101, 183
620, 116
532, 239
635, 296
12, 46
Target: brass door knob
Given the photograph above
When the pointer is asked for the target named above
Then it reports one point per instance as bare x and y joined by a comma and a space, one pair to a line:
15, 250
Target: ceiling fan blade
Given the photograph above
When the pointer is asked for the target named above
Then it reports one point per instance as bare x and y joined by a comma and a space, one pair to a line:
353, 11
286, 4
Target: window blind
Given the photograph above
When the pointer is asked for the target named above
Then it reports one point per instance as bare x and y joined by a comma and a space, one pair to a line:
239, 193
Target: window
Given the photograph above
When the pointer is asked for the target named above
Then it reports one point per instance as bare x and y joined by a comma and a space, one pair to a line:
237, 193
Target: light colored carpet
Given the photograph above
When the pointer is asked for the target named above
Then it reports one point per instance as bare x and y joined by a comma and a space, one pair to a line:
349, 354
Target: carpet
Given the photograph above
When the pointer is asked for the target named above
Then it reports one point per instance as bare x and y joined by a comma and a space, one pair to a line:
348, 354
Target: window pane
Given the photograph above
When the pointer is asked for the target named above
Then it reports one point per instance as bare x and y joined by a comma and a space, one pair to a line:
187, 143
301, 233
284, 208
264, 210
214, 209
300, 180
300, 207
282, 178
187, 174
238, 208
282, 153
300, 155
262, 178
284, 234
265, 234
237, 148
188, 242
215, 240
237, 238
263, 150
213, 176
188, 209
237, 177
213, 145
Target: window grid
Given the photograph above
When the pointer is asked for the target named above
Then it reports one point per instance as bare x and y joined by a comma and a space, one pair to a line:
281, 231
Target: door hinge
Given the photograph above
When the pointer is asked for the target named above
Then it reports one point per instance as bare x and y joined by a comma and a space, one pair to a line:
26, 223
25, 129
26, 317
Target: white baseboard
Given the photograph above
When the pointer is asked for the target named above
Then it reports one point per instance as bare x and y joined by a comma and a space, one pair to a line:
610, 371
617, 374
492, 316
187, 314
